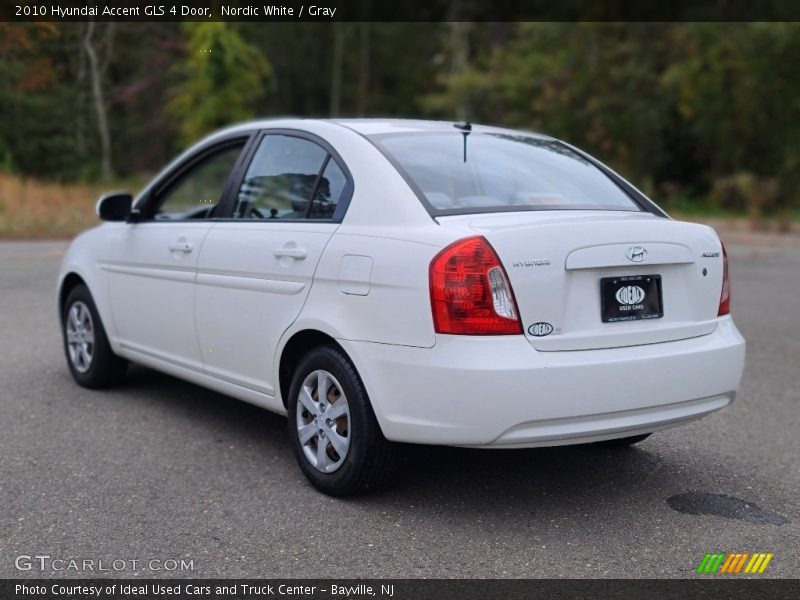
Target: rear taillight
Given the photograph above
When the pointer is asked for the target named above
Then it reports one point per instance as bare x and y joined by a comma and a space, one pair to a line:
725, 296
470, 292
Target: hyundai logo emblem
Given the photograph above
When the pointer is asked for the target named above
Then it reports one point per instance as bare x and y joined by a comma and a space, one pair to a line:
636, 254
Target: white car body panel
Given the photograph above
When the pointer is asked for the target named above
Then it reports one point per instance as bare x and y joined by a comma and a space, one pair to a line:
150, 278
249, 290
221, 314
83, 259
499, 391
393, 312
580, 247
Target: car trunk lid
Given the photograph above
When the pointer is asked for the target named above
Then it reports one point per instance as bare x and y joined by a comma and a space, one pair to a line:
557, 261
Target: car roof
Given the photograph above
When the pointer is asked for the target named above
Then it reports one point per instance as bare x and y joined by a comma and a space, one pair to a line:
374, 126
383, 126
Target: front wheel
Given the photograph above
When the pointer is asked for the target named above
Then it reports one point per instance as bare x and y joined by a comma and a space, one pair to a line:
90, 358
335, 436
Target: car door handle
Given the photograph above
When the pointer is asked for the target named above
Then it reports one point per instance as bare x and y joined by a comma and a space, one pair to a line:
181, 247
295, 253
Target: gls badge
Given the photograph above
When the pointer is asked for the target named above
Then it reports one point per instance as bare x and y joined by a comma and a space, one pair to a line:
540, 329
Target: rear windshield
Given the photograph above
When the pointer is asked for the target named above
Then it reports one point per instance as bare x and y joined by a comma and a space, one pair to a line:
491, 172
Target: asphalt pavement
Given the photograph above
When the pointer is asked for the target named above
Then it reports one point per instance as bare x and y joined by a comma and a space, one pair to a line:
162, 470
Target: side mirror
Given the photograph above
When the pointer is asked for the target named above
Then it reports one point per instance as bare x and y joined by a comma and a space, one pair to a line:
115, 206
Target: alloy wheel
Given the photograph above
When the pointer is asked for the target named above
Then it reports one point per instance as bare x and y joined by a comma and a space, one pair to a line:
80, 336
323, 421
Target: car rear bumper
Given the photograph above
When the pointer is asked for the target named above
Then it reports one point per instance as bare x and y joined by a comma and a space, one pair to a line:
500, 392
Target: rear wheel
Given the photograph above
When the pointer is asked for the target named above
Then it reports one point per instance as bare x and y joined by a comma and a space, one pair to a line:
624, 442
89, 356
335, 436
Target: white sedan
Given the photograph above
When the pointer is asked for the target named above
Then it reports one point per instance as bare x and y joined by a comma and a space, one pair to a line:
386, 281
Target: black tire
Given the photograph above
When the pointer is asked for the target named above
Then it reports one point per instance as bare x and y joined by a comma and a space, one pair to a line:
624, 442
104, 368
370, 457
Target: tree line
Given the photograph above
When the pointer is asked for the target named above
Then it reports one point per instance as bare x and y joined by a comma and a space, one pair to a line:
693, 113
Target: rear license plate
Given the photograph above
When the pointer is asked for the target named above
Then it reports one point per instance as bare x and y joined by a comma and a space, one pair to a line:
630, 298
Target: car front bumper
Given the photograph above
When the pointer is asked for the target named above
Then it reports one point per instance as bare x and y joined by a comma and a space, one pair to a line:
500, 392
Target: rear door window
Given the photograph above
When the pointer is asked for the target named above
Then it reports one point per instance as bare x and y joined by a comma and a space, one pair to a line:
281, 180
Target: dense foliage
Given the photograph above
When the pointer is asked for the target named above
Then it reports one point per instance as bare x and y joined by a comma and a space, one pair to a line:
703, 112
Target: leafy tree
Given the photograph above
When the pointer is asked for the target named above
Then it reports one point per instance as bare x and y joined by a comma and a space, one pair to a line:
686, 110
593, 84
737, 92
31, 89
678, 107
223, 79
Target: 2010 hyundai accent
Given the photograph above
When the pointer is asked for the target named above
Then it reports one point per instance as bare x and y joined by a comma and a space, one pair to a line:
386, 281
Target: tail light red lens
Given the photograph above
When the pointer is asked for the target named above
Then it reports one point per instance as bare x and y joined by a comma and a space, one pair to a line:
470, 292
725, 296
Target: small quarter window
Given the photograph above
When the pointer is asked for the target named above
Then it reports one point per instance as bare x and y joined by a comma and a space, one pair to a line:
329, 191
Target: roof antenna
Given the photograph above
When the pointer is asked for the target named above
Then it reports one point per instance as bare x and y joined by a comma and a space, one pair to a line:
466, 128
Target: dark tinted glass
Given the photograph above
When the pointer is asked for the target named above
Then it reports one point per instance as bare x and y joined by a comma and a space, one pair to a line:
329, 192
280, 179
200, 188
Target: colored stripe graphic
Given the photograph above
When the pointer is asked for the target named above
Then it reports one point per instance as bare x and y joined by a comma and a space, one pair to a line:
740, 564
764, 564
727, 564
730, 564
755, 562
711, 562
720, 562
702, 566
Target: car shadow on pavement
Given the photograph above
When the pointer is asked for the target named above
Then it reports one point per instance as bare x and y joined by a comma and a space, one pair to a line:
523, 482
220, 413
548, 475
